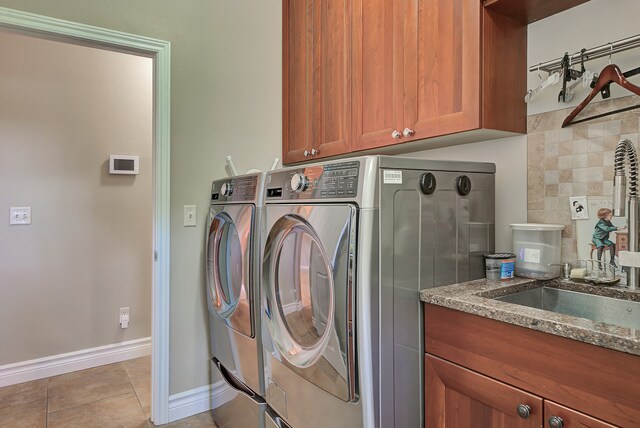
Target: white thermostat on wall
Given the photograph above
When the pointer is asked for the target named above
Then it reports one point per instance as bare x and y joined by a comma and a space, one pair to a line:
124, 164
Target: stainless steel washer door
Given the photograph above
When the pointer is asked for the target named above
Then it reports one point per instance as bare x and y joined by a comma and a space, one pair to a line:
228, 261
307, 294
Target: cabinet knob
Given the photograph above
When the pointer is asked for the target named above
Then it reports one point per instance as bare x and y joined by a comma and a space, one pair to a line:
524, 411
396, 134
408, 132
306, 153
556, 422
314, 152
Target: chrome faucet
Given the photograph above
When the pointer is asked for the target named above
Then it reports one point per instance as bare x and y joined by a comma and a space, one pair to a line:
625, 147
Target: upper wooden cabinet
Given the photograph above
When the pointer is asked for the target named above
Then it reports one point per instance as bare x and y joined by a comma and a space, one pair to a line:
316, 78
366, 74
528, 11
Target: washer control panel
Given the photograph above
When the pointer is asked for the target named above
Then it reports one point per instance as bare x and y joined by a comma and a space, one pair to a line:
330, 181
235, 189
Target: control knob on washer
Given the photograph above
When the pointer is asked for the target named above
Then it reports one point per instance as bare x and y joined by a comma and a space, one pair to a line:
299, 182
226, 189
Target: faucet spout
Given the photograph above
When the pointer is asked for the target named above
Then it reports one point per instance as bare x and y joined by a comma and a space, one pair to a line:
625, 149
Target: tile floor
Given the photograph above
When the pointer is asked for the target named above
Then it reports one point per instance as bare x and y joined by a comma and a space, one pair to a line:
115, 395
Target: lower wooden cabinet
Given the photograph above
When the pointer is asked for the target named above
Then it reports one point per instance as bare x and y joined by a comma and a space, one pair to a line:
557, 416
479, 372
457, 397
461, 398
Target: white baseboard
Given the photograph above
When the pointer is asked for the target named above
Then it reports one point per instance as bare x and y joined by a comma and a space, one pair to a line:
199, 400
54, 365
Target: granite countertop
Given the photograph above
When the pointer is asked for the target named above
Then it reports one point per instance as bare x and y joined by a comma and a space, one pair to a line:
476, 297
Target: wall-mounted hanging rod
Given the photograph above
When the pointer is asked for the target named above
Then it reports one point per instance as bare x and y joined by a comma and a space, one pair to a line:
593, 53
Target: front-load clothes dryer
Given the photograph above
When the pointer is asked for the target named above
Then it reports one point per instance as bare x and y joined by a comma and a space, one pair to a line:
308, 297
233, 298
347, 247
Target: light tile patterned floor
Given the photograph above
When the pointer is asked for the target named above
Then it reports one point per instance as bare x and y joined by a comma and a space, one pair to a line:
115, 395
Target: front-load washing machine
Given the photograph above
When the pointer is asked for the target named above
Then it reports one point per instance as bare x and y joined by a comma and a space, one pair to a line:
233, 298
347, 247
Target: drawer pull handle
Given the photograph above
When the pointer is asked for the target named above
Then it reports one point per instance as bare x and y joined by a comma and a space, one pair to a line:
408, 132
524, 411
556, 422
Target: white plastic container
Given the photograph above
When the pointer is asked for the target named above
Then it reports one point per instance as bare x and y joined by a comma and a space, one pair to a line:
536, 246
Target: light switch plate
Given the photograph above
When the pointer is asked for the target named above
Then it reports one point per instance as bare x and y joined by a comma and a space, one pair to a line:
20, 215
189, 215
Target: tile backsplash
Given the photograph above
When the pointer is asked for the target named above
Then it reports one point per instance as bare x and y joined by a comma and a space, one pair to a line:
574, 161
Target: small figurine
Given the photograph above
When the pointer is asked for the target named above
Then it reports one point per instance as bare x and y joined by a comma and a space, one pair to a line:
601, 234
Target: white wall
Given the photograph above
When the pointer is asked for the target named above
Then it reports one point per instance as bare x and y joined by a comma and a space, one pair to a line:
65, 108
510, 157
591, 24
225, 100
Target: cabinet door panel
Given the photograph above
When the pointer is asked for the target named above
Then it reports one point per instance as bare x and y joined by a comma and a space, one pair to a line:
377, 78
331, 77
461, 398
316, 79
571, 418
296, 74
442, 67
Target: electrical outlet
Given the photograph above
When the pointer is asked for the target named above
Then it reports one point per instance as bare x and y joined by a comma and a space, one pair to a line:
20, 215
124, 317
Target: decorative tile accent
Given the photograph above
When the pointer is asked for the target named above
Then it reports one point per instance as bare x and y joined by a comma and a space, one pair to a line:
541, 122
595, 174
595, 130
580, 146
552, 177
551, 163
574, 161
580, 132
565, 134
612, 128
594, 188
579, 189
551, 190
565, 189
580, 175
565, 162
631, 137
566, 176
551, 137
629, 126
610, 142
580, 161
565, 148
535, 216
550, 149
595, 144
595, 159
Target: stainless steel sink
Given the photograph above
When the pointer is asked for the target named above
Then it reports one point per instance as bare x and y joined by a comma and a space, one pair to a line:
624, 313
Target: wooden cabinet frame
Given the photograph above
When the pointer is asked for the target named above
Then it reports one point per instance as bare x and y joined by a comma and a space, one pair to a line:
446, 71
589, 379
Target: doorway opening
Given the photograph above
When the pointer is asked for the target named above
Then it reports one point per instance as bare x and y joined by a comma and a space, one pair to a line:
158, 53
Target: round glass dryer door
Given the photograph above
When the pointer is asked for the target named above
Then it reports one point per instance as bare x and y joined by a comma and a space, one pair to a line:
228, 259
307, 295
301, 291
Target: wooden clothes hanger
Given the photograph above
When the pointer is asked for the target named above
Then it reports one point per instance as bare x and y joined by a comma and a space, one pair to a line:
610, 74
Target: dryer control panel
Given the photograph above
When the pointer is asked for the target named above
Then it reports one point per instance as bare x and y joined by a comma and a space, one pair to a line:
235, 189
329, 181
